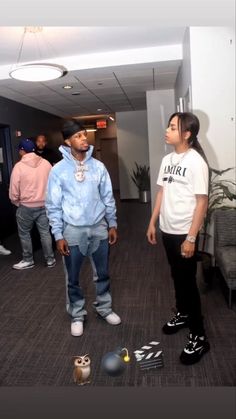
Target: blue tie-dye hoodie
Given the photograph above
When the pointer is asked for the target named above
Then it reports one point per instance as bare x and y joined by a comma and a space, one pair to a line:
79, 203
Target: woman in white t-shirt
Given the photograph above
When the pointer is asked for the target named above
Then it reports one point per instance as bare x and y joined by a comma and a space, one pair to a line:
181, 205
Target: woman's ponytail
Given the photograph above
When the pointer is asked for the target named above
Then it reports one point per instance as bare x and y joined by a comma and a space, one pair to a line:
194, 143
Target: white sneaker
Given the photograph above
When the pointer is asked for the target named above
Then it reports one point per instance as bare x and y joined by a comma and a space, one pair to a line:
77, 328
4, 251
51, 263
112, 318
23, 265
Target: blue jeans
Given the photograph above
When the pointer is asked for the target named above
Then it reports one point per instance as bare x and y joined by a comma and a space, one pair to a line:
99, 259
26, 217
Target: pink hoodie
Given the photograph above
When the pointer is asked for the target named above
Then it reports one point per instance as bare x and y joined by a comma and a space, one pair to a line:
29, 181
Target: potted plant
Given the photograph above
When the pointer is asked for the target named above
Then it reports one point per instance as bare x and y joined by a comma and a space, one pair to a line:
218, 193
141, 178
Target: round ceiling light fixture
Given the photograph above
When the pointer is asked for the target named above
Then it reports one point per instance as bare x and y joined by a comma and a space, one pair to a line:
37, 72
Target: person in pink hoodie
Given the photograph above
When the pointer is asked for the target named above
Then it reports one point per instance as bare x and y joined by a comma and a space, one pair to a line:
27, 191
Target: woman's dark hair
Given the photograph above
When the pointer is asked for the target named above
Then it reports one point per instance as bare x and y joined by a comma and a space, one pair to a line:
187, 121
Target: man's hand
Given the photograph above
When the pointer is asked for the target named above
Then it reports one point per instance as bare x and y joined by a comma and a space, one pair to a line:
62, 247
151, 234
112, 235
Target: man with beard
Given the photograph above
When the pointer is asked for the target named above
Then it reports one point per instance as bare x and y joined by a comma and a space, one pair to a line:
82, 213
44, 151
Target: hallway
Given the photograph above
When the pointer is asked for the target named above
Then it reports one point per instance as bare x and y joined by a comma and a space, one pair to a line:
36, 347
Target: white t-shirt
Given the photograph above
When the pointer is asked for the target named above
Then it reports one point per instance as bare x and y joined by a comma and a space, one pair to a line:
182, 177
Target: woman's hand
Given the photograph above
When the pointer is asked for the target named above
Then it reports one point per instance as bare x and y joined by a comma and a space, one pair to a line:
187, 249
151, 234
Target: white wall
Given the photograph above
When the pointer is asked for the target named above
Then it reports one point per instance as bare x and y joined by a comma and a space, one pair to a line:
132, 143
183, 80
160, 105
213, 91
209, 68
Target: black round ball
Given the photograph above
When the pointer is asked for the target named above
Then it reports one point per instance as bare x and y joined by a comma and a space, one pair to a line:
113, 364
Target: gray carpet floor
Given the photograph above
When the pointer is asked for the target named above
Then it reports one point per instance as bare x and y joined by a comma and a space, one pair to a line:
36, 348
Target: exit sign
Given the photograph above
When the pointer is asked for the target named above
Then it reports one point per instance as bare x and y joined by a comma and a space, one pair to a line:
101, 123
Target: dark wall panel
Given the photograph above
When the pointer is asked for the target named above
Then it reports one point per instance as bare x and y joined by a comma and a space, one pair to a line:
30, 122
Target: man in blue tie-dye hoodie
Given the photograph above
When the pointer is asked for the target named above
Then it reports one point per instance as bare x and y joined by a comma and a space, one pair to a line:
82, 213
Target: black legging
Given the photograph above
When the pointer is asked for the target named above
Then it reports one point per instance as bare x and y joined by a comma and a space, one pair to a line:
183, 272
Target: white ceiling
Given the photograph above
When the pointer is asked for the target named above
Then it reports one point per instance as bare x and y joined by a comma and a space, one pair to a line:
110, 68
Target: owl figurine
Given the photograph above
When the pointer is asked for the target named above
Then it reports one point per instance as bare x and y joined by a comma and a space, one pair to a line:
82, 369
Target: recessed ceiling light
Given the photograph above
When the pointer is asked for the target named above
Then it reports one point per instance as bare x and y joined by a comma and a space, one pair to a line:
100, 83
68, 86
99, 109
76, 93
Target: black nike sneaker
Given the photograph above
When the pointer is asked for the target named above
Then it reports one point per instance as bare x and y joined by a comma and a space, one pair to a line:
176, 323
196, 347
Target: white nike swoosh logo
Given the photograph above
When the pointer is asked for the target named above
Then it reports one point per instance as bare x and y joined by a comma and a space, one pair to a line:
194, 350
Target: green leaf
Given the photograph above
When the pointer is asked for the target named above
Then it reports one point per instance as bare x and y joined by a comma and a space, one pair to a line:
141, 177
220, 172
218, 193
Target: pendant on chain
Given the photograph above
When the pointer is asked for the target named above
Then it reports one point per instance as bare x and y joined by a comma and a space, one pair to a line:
79, 176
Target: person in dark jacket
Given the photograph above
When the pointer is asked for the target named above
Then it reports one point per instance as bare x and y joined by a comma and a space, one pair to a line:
43, 151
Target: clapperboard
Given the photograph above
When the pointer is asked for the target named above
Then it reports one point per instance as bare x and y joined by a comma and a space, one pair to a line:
148, 357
